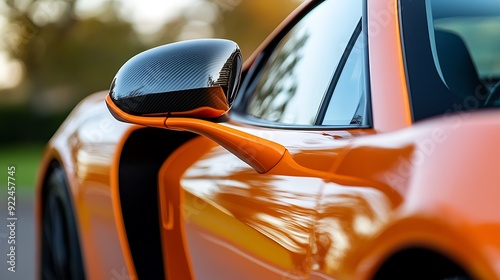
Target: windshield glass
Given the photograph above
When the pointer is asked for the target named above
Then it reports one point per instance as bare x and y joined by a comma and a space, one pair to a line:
452, 55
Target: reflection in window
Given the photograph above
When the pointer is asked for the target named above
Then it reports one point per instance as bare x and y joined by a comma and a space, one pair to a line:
345, 104
272, 94
293, 82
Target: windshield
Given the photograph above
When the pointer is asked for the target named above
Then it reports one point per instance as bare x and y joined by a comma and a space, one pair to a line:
452, 55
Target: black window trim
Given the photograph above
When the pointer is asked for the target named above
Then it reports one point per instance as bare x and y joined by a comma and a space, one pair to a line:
238, 112
368, 114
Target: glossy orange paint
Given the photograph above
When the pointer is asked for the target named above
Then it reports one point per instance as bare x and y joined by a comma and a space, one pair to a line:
347, 219
86, 145
263, 154
390, 102
259, 153
424, 195
258, 203
232, 213
176, 257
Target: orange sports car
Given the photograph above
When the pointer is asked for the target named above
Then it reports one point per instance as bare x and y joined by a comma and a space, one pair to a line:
360, 141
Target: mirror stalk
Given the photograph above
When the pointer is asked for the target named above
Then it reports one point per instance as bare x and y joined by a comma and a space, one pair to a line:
261, 154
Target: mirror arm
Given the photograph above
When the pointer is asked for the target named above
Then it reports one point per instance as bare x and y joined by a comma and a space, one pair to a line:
261, 154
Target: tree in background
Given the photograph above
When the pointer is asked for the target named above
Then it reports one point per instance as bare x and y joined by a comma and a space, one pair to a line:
65, 57
247, 22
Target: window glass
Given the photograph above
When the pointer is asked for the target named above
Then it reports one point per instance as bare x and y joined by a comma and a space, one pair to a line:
343, 108
478, 24
451, 55
294, 80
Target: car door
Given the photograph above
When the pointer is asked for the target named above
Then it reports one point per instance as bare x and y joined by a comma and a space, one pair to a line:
306, 91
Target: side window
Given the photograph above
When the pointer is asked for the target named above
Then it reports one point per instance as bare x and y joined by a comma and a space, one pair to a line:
295, 80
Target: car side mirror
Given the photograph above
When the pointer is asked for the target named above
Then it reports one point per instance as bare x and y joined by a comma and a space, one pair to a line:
196, 79
178, 86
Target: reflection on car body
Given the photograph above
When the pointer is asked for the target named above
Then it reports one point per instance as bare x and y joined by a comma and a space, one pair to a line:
362, 144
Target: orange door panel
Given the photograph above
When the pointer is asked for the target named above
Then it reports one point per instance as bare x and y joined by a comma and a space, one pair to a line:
260, 223
235, 221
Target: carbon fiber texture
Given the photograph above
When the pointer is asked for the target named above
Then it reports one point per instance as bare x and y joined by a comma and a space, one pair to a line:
179, 77
176, 101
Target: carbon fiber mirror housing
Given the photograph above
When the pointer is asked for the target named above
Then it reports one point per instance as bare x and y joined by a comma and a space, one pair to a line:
195, 78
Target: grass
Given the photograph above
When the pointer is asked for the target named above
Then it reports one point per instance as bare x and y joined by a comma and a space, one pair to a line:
26, 159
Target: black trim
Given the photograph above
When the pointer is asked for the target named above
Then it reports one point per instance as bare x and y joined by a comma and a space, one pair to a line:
368, 117
428, 95
142, 156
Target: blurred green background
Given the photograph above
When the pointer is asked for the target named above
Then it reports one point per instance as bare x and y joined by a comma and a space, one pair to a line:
53, 53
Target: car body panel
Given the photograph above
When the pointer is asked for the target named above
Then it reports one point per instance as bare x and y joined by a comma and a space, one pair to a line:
253, 206
225, 207
86, 145
214, 201
231, 197
336, 205
423, 193
390, 102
